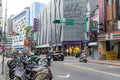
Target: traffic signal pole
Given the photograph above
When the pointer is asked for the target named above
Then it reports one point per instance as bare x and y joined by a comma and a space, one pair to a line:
3, 54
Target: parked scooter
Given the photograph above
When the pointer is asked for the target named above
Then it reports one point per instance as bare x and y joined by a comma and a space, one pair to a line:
33, 70
11, 65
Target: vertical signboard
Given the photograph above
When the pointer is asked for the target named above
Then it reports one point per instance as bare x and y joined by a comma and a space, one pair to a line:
36, 24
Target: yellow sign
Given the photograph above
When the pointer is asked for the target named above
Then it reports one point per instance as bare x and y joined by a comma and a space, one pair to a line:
110, 56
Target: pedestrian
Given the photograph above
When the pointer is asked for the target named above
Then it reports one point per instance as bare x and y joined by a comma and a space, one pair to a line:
76, 54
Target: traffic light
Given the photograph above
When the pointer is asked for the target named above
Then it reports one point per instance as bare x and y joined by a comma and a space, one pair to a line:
58, 21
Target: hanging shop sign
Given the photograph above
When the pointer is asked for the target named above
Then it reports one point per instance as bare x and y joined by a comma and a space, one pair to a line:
104, 37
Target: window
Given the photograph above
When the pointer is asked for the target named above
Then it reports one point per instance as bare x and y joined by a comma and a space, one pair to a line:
109, 2
114, 1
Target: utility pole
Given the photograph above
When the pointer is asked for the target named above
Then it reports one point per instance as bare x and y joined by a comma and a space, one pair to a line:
88, 26
4, 39
88, 16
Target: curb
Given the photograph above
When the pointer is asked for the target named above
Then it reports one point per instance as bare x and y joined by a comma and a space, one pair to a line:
104, 63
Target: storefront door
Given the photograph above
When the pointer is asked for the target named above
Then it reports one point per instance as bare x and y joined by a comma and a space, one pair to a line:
119, 50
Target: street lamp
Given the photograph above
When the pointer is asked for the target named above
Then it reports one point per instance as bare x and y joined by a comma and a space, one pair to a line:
4, 39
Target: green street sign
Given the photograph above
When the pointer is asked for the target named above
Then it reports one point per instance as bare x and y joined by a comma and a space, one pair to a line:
69, 22
85, 23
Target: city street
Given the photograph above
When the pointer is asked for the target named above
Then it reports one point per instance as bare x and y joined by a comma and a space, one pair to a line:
74, 70
71, 69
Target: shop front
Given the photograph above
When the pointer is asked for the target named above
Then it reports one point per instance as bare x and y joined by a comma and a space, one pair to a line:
70, 48
109, 46
43, 49
93, 50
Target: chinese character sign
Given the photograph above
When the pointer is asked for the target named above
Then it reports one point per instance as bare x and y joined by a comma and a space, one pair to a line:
36, 24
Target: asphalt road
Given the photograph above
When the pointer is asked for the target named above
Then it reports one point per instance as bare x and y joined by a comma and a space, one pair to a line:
74, 70
71, 69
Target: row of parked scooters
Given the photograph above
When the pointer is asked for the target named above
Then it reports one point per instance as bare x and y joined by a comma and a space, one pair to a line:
23, 67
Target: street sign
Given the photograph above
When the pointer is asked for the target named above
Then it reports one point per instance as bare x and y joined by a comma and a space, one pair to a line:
85, 41
69, 22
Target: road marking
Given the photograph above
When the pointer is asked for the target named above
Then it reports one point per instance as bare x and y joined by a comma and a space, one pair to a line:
113, 67
67, 76
108, 73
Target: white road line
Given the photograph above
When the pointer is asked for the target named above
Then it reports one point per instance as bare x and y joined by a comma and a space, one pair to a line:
67, 76
108, 73
113, 66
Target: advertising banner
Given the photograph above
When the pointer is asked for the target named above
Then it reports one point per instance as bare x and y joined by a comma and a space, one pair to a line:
36, 24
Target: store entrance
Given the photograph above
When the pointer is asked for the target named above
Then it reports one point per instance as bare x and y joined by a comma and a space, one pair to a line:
119, 50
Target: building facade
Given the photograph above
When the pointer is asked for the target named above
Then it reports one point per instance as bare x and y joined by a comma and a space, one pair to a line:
1, 20
8, 43
9, 25
109, 42
19, 22
1, 26
35, 10
64, 36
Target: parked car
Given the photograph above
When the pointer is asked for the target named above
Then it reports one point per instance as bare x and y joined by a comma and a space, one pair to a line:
57, 55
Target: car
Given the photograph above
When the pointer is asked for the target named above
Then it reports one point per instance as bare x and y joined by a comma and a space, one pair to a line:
57, 55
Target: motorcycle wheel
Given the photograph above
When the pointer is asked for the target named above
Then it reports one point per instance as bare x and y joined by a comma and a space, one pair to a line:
12, 74
42, 76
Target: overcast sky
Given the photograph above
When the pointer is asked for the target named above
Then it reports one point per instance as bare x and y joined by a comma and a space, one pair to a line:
16, 6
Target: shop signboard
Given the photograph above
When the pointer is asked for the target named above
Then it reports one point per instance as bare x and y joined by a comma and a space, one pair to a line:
104, 37
1, 47
36, 24
115, 35
72, 42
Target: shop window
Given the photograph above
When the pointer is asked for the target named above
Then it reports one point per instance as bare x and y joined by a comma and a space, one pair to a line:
109, 2
114, 1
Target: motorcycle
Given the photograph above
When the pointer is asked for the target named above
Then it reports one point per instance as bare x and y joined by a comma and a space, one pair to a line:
83, 58
11, 65
48, 60
33, 71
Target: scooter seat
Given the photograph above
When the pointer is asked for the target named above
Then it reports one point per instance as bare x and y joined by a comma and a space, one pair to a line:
31, 66
38, 69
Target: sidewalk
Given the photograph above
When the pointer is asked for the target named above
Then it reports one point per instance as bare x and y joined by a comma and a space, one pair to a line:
2, 76
103, 62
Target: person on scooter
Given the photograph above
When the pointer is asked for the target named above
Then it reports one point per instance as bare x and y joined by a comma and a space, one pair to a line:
49, 58
83, 57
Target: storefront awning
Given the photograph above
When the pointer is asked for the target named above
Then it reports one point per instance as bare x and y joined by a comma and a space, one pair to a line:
93, 44
43, 46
